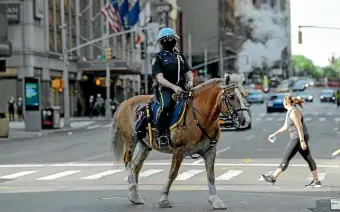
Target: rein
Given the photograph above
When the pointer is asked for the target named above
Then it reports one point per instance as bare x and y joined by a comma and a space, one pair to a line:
189, 96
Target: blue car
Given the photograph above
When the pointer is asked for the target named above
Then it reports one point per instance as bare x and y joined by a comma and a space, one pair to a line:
327, 96
255, 96
275, 103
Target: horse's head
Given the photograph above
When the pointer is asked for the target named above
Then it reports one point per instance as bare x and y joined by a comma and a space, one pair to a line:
233, 103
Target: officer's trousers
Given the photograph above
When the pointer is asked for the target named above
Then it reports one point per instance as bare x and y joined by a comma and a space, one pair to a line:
167, 105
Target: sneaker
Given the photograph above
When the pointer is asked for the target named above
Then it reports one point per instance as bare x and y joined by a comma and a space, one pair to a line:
314, 184
269, 178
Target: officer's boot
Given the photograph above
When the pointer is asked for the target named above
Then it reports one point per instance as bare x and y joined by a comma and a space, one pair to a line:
161, 138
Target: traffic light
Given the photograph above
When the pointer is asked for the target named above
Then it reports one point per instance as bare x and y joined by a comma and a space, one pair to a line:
108, 54
300, 37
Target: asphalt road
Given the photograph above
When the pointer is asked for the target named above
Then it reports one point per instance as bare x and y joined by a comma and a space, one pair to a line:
71, 172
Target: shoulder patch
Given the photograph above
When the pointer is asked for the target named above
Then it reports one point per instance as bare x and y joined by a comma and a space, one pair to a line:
153, 61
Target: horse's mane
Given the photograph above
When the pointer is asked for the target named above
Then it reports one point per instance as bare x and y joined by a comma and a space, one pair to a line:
213, 81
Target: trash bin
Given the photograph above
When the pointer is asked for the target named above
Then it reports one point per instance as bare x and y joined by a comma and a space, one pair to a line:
50, 118
4, 125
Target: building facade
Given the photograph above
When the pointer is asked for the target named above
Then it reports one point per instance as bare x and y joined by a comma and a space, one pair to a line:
37, 52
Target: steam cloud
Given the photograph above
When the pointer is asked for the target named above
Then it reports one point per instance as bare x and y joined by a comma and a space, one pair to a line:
268, 32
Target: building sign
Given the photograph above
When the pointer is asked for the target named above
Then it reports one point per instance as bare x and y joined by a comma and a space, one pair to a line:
31, 94
5, 49
13, 13
39, 9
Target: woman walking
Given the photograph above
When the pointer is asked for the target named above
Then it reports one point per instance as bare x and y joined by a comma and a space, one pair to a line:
299, 138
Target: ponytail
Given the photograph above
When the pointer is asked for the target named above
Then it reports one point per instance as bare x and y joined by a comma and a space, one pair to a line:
294, 101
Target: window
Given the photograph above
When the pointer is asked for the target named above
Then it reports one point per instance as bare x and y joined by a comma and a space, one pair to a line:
58, 20
52, 42
58, 42
51, 19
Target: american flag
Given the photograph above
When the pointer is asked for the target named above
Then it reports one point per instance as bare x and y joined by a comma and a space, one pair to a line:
112, 17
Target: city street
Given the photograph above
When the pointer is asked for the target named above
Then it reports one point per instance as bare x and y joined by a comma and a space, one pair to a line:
74, 172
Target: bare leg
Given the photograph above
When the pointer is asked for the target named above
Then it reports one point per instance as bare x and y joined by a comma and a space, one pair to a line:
315, 175
177, 158
277, 173
214, 199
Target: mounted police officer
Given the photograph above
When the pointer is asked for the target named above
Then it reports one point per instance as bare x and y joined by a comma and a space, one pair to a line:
173, 74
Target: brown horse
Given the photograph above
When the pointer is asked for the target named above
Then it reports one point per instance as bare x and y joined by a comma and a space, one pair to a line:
199, 136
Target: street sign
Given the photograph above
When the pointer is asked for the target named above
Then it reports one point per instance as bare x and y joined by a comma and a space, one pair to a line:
164, 8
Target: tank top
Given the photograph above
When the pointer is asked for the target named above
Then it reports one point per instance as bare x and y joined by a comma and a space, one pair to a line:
293, 133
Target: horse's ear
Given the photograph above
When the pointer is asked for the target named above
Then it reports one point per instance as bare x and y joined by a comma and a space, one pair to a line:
227, 80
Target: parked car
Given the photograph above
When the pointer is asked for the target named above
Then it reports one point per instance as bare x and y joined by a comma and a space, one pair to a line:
255, 96
327, 96
299, 86
305, 96
275, 102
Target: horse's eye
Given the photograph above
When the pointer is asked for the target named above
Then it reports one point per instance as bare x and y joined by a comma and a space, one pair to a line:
231, 97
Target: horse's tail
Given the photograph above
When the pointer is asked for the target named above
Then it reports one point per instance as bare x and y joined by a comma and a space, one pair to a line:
116, 141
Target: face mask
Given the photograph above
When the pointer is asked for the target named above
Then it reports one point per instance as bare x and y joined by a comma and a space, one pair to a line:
169, 45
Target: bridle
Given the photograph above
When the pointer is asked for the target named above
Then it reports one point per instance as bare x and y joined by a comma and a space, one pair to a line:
189, 95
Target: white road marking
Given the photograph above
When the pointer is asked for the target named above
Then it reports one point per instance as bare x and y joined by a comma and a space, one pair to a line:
269, 119
322, 119
218, 152
308, 119
329, 113
337, 119
258, 119
281, 119
188, 174
100, 175
250, 137
262, 114
58, 175
315, 114
321, 176
275, 114
107, 126
229, 175
149, 173
18, 174
336, 152
93, 127
335, 204
268, 173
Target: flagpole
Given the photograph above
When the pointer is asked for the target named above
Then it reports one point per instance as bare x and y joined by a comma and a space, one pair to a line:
108, 114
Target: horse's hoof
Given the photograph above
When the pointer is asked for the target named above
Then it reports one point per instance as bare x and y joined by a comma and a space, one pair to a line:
165, 204
137, 200
217, 202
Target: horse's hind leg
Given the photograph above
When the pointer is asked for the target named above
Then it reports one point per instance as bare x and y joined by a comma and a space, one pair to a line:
137, 163
214, 199
177, 158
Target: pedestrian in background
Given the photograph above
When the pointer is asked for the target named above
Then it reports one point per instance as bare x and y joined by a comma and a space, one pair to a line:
299, 138
20, 109
11, 108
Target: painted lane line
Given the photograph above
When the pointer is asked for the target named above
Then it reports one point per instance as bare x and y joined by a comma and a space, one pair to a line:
316, 113
250, 137
268, 173
335, 153
107, 126
281, 119
321, 176
218, 152
58, 175
322, 119
188, 174
93, 127
101, 175
18, 174
337, 119
275, 114
308, 119
21, 165
269, 119
329, 114
229, 175
148, 173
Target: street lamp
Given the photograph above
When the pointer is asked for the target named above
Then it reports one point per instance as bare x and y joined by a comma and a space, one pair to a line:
319, 27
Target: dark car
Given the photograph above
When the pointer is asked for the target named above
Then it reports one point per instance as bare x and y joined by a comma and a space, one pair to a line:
275, 103
305, 96
327, 96
255, 96
299, 86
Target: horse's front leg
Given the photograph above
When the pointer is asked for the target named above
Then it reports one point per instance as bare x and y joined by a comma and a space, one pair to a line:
209, 159
177, 158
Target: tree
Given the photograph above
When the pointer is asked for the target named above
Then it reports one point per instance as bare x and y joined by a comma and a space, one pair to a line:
304, 65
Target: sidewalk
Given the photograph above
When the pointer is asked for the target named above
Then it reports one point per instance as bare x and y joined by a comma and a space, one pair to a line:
17, 129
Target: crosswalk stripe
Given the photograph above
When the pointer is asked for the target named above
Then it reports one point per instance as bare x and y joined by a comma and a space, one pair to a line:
93, 127
337, 119
229, 175
107, 126
322, 119
58, 175
308, 119
188, 174
18, 174
101, 174
268, 173
148, 173
269, 119
321, 176
281, 119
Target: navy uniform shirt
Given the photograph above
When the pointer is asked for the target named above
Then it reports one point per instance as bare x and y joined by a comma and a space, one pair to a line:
167, 63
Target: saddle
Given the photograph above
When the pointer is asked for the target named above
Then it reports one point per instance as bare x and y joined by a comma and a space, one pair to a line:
176, 116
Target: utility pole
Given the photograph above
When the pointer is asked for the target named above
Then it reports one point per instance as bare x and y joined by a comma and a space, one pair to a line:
65, 69
221, 59
146, 62
205, 62
189, 50
108, 56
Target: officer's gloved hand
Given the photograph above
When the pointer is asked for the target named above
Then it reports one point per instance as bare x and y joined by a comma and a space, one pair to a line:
176, 50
